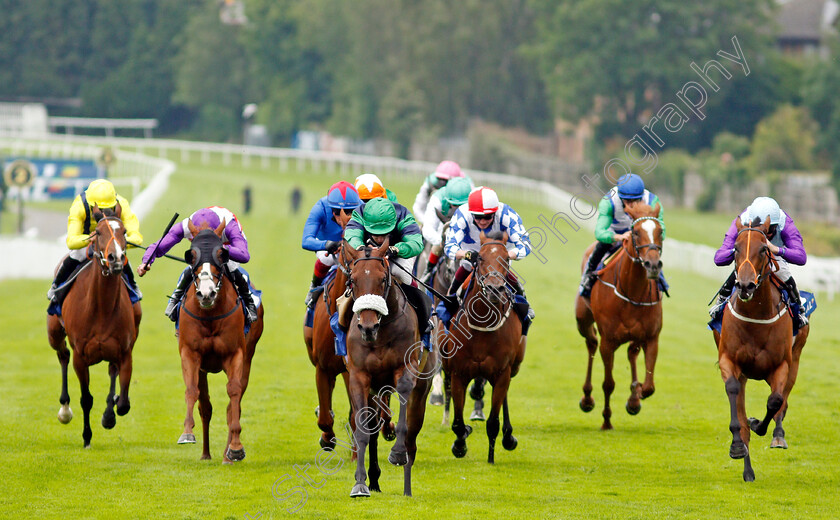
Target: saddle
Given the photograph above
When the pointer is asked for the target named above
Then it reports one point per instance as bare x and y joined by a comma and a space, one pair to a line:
54, 309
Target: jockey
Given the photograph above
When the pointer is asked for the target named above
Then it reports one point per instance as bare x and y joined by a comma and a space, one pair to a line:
784, 242
81, 223
380, 218
613, 224
369, 187
234, 241
445, 171
484, 213
324, 228
442, 204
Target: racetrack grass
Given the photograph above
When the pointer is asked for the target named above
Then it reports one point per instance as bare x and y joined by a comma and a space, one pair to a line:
670, 461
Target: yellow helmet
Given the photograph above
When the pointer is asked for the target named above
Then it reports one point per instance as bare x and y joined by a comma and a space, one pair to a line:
101, 193
369, 187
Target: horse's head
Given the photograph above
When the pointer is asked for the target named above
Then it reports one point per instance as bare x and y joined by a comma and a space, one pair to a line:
646, 237
493, 265
370, 282
108, 242
207, 258
752, 257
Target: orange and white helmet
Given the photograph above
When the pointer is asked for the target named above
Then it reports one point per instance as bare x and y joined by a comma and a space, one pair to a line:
483, 201
370, 187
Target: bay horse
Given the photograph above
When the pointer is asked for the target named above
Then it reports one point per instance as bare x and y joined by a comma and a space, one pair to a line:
211, 338
100, 322
484, 340
626, 305
384, 355
756, 342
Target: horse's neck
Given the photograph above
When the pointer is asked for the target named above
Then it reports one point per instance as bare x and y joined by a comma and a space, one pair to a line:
105, 290
339, 285
632, 278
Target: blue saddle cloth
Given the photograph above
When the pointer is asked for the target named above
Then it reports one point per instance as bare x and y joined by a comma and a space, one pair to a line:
810, 306
309, 319
256, 295
54, 309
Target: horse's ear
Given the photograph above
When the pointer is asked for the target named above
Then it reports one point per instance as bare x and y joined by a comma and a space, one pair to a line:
656, 210
221, 229
738, 224
630, 209
383, 249
97, 213
224, 255
766, 226
118, 210
348, 250
188, 256
482, 238
192, 228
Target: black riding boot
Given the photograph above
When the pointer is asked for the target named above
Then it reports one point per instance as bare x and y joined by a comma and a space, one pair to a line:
724, 293
244, 291
67, 267
316, 282
183, 282
516, 285
794, 293
588, 278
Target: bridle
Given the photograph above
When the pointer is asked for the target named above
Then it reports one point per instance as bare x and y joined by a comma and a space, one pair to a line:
760, 275
104, 264
637, 248
480, 279
379, 304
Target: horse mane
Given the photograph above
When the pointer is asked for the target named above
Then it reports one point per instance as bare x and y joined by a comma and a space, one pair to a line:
756, 222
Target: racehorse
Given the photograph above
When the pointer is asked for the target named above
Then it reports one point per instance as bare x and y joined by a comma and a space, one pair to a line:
755, 343
100, 321
211, 338
484, 340
384, 356
626, 304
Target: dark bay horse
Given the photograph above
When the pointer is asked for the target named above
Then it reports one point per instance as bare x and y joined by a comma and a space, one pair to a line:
755, 343
211, 339
484, 340
100, 322
626, 305
385, 356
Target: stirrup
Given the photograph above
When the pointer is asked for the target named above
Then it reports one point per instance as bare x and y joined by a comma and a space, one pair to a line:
170, 309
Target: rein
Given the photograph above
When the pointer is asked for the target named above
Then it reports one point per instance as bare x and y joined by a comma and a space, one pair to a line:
770, 260
212, 318
480, 281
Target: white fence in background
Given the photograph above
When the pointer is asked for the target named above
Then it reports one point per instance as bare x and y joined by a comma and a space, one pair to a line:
820, 274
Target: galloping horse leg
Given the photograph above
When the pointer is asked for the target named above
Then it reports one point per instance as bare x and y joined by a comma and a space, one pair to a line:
325, 417
389, 432
500, 388
776, 381
477, 393
405, 384
414, 423
608, 356
779, 431
447, 398
86, 400
359, 390
373, 465
190, 363
509, 442
109, 420
234, 451
740, 435
651, 348
461, 430
56, 336
634, 404
586, 328
205, 410
122, 402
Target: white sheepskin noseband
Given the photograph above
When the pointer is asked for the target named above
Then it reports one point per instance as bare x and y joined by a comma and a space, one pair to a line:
372, 302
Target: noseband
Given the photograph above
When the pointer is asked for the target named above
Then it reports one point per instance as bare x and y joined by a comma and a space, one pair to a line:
482, 279
370, 301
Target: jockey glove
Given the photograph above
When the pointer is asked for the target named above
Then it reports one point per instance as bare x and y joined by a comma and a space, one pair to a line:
471, 256
393, 252
332, 246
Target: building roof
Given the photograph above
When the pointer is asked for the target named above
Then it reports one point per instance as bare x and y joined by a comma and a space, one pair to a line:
806, 19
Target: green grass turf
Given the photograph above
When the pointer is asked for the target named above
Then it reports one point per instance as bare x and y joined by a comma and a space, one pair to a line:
670, 461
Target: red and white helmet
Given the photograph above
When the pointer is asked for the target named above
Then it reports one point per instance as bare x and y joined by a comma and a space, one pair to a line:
483, 201
448, 170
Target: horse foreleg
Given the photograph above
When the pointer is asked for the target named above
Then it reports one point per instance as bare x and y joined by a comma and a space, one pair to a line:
325, 414
779, 431
205, 410
388, 429
359, 390
461, 430
447, 397
634, 404
109, 420
777, 382
190, 364
477, 394
414, 423
651, 348
737, 419
500, 389
373, 448
126, 367
234, 451
607, 356
405, 384
56, 336
86, 400
587, 330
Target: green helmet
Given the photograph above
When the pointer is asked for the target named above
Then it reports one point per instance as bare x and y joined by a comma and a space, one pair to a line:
380, 216
457, 191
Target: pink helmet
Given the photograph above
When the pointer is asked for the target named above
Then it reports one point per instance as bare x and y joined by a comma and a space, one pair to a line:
448, 170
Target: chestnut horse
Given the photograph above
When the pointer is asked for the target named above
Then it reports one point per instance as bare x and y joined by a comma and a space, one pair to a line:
211, 338
484, 340
100, 321
384, 356
755, 343
626, 305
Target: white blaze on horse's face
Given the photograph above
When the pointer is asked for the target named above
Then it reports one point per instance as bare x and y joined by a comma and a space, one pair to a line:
650, 227
205, 288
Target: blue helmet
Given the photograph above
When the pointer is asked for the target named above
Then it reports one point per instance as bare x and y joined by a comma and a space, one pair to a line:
630, 186
343, 195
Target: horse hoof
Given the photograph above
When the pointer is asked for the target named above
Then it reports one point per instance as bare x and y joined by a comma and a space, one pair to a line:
65, 414
633, 410
205, 456
587, 404
186, 438
738, 451
509, 443
606, 426
755, 426
436, 399
459, 449
123, 409
360, 490
779, 442
235, 455
398, 458
327, 445
375, 487
476, 392
109, 420
749, 475
389, 434
477, 415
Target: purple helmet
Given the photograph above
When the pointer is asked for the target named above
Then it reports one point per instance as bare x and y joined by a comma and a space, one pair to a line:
205, 215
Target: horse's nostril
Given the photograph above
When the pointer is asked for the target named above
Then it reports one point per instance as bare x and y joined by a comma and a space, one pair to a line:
659, 264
